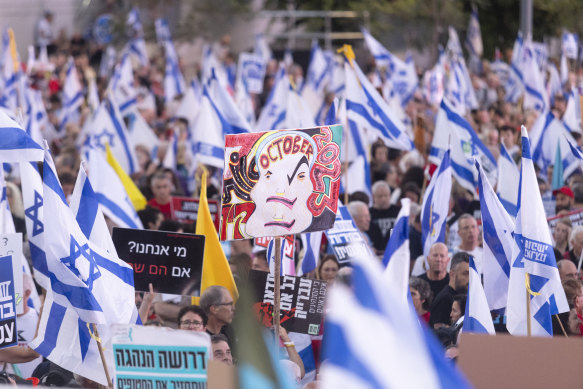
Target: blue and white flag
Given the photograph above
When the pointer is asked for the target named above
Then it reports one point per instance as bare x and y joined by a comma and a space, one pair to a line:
107, 127
508, 177
304, 348
535, 94
572, 116
286, 255
261, 48
174, 84
576, 152
244, 101
72, 95
451, 127
34, 114
549, 135
252, 71
570, 45
311, 242
474, 35
433, 85
534, 267
134, 23
397, 258
92, 95
110, 192
553, 83
477, 317
190, 104
405, 347
319, 70
218, 116
383, 57
107, 63
9, 76
122, 86
15, 144
97, 284
137, 48
436, 205
453, 43
499, 245
140, 131
370, 113
162, 30
459, 89
514, 87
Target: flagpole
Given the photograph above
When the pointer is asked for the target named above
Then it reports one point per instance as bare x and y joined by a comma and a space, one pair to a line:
98, 340
528, 329
276, 291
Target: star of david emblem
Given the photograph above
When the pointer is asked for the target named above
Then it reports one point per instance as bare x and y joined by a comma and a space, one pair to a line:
99, 139
78, 252
32, 213
518, 261
434, 219
273, 110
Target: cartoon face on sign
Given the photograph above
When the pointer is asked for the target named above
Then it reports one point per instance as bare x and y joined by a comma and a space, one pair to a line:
280, 182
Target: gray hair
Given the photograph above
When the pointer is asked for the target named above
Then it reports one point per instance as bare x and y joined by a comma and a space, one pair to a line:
355, 207
574, 232
213, 295
380, 184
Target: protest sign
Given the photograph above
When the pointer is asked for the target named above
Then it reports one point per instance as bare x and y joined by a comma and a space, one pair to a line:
281, 182
252, 70
185, 210
11, 244
8, 333
286, 253
148, 357
302, 301
346, 240
172, 262
575, 216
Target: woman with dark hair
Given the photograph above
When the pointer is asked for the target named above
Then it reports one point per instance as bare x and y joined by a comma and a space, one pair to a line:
328, 268
192, 318
422, 297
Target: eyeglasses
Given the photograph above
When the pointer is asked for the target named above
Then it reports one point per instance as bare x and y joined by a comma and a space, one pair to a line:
191, 323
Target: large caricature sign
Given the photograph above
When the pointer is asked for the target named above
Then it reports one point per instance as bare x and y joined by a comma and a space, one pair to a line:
280, 182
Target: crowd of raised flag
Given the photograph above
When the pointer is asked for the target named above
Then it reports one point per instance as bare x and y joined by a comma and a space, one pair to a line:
457, 161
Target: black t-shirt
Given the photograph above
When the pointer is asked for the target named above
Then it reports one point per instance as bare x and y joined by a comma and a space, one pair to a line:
441, 307
436, 286
381, 222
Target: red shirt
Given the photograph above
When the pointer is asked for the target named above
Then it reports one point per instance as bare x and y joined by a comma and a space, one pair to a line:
164, 208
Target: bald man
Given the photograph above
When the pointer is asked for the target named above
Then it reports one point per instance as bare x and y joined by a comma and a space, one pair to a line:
567, 270
437, 275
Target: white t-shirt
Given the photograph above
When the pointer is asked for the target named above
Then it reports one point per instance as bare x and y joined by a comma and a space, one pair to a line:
26, 326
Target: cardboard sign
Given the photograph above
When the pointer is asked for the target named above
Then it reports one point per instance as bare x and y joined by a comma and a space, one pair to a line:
252, 70
172, 262
279, 183
8, 332
185, 210
11, 244
346, 240
302, 301
505, 361
159, 358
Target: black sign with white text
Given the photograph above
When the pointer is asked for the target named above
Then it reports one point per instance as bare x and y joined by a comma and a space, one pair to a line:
171, 261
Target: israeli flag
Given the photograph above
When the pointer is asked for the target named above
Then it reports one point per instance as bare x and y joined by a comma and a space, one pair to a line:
72, 95
287, 265
570, 44
450, 126
477, 318
218, 116
459, 89
107, 63
319, 70
474, 35
261, 48
406, 346
134, 23
501, 69
535, 262
337, 79
572, 116
92, 95
311, 242
576, 152
190, 104
508, 177
140, 131
174, 84
169, 160
110, 192
122, 86
9, 77
436, 205
514, 87
499, 245
453, 43
397, 258
535, 96
383, 57
370, 113
108, 127
162, 30
137, 48
34, 114
553, 82
433, 85
549, 135
244, 101
15, 144
252, 71
97, 284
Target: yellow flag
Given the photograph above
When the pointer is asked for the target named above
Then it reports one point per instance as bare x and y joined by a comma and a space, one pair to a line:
215, 267
136, 197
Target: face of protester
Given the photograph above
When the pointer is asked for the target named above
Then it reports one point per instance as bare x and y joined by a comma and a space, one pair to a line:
329, 271
508, 138
456, 312
578, 244
225, 310
417, 301
381, 154
563, 202
461, 275
362, 219
438, 258
162, 190
282, 190
579, 301
561, 233
222, 352
381, 198
567, 270
468, 231
192, 322
260, 263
